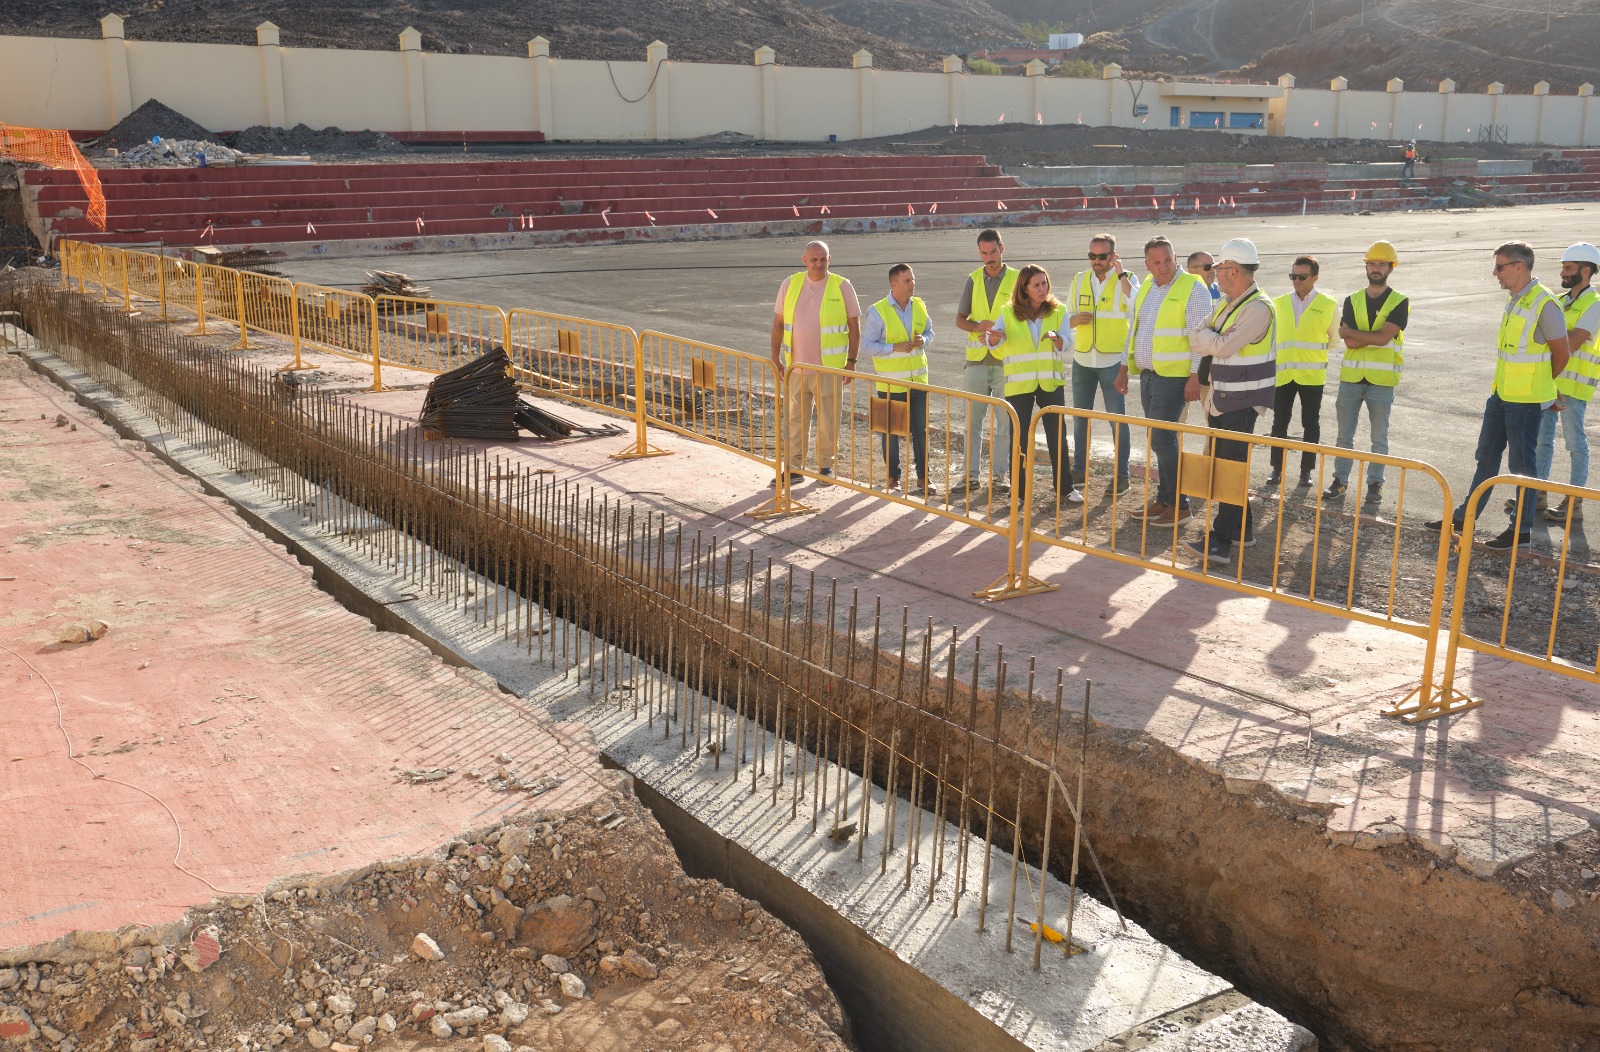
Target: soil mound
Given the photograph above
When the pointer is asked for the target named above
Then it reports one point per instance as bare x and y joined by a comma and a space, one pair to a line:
148, 121
555, 931
304, 139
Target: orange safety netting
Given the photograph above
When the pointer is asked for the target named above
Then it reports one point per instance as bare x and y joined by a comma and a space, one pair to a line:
55, 148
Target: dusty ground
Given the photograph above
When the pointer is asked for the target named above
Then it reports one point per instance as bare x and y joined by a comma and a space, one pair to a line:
557, 932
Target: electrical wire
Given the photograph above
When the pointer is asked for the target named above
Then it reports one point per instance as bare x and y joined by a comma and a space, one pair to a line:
648, 88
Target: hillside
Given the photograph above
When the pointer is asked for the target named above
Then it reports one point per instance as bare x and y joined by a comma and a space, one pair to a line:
695, 30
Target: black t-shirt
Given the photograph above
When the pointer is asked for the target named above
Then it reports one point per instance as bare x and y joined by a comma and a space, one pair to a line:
1374, 304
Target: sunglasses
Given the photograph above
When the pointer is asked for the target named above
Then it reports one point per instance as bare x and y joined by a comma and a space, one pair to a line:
1299, 277
1207, 266
1498, 267
1099, 255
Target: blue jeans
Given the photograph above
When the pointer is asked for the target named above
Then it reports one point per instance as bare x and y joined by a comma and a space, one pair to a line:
1161, 398
1085, 381
1347, 410
1511, 428
986, 379
1572, 435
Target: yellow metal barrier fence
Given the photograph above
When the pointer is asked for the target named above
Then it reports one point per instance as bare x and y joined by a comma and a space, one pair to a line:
1528, 641
922, 432
594, 363
339, 322
435, 336
268, 304
1309, 552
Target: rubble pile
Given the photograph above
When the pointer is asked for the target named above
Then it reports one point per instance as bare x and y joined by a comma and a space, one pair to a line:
554, 931
392, 283
179, 153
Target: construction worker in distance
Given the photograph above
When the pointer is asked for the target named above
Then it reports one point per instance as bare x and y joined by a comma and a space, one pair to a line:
1372, 325
1307, 324
1240, 338
987, 290
1409, 169
1029, 338
1166, 309
1575, 385
1204, 267
1531, 353
895, 333
1101, 299
817, 321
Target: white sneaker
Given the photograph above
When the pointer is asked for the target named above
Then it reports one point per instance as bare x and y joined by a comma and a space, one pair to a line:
1074, 497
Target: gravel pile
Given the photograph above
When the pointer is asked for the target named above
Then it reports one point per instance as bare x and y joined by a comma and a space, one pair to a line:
148, 121
304, 139
536, 934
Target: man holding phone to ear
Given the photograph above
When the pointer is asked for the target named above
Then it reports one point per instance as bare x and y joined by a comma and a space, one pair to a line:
1101, 300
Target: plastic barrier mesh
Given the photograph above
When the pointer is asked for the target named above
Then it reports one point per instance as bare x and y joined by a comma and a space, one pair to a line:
54, 148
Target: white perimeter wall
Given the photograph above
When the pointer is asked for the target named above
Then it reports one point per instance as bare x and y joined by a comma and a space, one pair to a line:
89, 85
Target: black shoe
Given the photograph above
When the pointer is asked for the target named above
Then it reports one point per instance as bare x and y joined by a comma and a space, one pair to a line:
1121, 486
1336, 489
1509, 540
1374, 493
1305, 481
826, 473
1274, 477
795, 478
1437, 526
1248, 542
1218, 553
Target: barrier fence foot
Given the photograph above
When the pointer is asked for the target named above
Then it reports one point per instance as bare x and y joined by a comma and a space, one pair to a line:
641, 449
1412, 708
292, 368
1013, 585
778, 507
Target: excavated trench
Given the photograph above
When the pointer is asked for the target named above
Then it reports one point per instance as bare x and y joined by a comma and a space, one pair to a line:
1384, 948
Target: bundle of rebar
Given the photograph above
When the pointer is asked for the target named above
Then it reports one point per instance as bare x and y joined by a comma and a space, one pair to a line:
392, 283
480, 400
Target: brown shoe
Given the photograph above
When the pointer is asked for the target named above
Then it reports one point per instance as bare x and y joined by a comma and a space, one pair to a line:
1171, 515
1155, 507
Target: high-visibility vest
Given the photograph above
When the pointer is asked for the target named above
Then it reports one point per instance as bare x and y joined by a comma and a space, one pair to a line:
1379, 365
835, 322
1100, 343
1303, 344
984, 310
1246, 379
1169, 346
913, 365
1522, 368
1031, 365
1582, 374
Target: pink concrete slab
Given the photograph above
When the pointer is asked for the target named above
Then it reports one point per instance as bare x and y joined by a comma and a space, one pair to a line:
1256, 689
235, 724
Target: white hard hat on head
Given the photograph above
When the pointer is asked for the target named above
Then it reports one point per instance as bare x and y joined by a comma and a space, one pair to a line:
1239, 250
1582, 252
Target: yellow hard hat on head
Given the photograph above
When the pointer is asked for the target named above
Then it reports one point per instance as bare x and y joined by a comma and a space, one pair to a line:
1382, 252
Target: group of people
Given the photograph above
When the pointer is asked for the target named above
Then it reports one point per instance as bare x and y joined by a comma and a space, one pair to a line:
1206, 334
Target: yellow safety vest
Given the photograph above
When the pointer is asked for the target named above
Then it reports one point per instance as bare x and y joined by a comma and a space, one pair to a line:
835, 322
1169, 347
1381, 364
1522, 368
1031, 365
1099, 343
983, 310
913, 365
1303, 345
1582, 374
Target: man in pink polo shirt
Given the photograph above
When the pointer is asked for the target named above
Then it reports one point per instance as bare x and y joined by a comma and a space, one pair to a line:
816, 321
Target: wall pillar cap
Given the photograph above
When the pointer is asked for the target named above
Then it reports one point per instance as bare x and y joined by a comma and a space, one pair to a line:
1542, 88
267, 35
1035, 68
1286, 81
1496, 88
1447, 86
765, 56
1339, 84
1110, 71
655, 51
111, 27
953, 64
1585, 90
410, 39
539, 47
861, 59
1395, 85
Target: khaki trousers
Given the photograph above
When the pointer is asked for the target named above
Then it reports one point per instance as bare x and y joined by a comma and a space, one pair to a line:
805, 390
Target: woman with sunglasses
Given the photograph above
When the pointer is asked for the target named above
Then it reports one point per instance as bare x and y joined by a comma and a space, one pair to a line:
1028, 341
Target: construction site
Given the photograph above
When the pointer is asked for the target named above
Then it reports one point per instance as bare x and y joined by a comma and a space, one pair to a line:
420, 633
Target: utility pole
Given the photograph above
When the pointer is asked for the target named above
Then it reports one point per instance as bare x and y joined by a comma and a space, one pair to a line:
1548, 4
1313, 16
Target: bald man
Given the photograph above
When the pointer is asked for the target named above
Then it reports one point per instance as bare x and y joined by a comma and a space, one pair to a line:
816, 321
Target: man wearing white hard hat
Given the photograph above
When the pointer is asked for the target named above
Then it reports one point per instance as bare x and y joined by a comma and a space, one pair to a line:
1240, 336
1575, 387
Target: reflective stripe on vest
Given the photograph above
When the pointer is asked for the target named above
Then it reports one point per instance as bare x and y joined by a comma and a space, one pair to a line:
1246, 379
1031, 366
1379, 365
984, 310
1522, 369
1303, 344
1169, 345
835, 322
913, 365
1582, 374
1101, 342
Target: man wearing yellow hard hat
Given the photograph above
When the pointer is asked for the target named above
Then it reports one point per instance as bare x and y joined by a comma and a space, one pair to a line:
1373, 327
